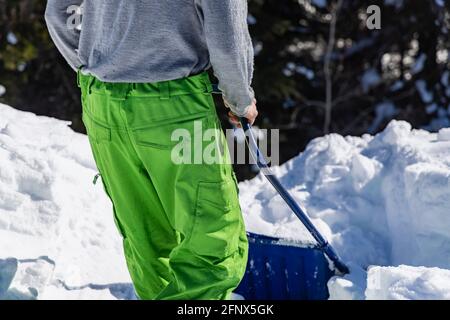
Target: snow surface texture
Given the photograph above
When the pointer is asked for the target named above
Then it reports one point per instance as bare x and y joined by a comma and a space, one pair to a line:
407, 283
57, 236
381, 201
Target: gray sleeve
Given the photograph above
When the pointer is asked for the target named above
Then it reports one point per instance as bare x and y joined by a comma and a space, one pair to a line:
231, 50
59, 17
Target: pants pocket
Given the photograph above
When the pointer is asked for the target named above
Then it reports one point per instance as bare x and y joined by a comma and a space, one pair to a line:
96, 131
217, 224
170, 134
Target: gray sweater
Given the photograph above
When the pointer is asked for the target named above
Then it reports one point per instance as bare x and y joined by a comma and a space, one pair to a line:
158, 40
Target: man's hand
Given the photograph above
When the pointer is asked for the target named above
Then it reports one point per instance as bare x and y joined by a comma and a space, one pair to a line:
251, 115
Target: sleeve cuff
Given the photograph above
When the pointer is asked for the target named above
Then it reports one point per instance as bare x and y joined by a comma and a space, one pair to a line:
240, 110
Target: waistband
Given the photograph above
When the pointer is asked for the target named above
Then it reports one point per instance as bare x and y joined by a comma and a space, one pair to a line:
195, 84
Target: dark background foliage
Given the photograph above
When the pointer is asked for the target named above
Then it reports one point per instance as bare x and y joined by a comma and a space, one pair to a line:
399, 71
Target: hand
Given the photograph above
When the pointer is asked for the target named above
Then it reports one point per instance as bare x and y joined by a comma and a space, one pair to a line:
251, 115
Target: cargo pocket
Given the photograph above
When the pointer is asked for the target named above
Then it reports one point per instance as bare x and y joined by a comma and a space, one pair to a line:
96, 131
173, 132
217, 223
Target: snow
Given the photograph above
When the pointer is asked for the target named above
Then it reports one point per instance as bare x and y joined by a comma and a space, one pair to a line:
425, 94
407, 283
292, 68
11, 38
251, 20
56, 227
371, 78
320, 3
445, 82
382, 201
2, 90
432, 108
444, 134
419, 64
440, 3
383, 111
399, 84
445, 78
308, 73
396, 3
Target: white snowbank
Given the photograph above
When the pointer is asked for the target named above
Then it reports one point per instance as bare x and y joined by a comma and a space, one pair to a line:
407, 283
382, 200
55, 225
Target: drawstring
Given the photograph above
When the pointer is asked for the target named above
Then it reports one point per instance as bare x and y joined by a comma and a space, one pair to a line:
96, 178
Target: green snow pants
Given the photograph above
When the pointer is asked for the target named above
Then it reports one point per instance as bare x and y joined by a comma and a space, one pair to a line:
181, 223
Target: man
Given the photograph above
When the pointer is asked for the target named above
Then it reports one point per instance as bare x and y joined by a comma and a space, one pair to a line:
142, 76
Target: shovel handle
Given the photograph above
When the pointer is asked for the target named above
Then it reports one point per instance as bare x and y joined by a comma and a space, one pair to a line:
290, 201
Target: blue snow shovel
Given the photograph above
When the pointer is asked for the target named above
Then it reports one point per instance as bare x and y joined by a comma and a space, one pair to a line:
282, 269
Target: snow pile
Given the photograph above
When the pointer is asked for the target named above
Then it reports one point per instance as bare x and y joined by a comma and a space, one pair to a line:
57, 236
381, 201
407, 283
